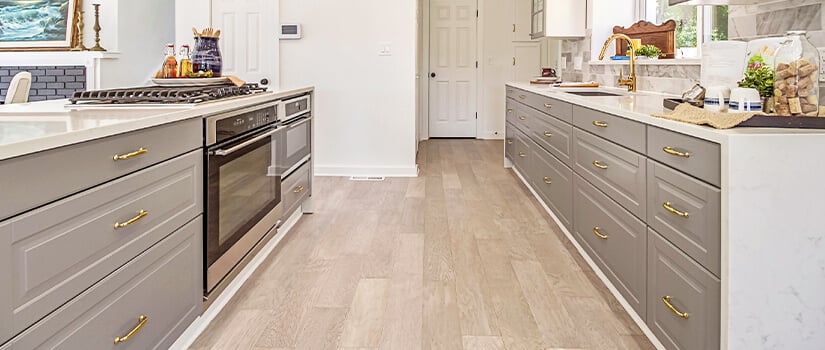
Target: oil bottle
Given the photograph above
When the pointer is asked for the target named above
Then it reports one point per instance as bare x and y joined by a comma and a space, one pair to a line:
170, 63
185, 62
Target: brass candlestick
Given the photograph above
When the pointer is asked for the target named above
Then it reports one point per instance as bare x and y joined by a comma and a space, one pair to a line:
97, 46
78, 46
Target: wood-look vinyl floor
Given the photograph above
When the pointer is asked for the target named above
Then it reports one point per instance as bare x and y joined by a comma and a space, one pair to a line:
462, 257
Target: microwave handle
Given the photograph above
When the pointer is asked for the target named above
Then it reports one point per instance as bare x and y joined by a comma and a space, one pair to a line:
226, 152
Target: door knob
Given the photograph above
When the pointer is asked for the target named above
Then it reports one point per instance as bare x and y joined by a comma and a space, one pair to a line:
432, 75
264, 81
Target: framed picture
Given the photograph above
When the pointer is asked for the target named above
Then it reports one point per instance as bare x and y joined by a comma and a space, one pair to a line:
38, 24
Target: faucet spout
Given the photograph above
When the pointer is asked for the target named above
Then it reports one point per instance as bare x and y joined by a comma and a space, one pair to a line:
630, 82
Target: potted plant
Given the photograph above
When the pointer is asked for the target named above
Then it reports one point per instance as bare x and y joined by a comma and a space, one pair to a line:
650, 51
760, 76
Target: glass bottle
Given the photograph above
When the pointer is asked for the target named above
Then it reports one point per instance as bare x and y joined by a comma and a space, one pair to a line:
170, 63
185, 62
796, 88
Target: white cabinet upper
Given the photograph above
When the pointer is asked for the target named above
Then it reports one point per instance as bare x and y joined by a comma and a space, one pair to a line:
558, 18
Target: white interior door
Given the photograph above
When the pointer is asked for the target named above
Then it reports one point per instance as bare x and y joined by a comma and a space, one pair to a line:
452, 68
249, 39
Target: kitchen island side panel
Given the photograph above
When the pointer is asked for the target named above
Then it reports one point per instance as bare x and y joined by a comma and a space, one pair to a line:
774, 268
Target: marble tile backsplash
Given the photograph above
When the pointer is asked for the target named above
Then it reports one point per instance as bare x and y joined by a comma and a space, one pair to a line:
745, 22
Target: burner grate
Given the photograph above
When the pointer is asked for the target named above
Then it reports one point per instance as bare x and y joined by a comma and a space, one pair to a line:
169, 95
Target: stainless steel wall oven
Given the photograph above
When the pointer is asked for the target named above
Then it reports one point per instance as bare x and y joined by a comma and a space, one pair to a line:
243, 188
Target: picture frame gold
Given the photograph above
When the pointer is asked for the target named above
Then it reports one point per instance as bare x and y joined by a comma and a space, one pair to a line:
50, 39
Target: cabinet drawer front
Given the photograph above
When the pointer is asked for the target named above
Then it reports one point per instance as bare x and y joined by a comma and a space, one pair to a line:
554, 182
522, 157
509, 141
616, 240
554, 135
692, 291
556, 108
696, 157
625, 132
6, 288
296, 188
61, 249
164, 284
613, 169
687, 212
514, 93
90, 163
522, 116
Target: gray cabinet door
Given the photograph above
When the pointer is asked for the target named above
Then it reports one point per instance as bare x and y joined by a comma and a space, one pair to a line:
164, 284
619, 172
625, 132
295, 189
554, 135
522, 117
615, 239
6, 287
509, 141
683, 299
554, 183
60, 250
90, 163
522, 158
694, 156
687, 212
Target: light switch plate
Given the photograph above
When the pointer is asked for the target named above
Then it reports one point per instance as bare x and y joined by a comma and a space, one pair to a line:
385, 49
821, 64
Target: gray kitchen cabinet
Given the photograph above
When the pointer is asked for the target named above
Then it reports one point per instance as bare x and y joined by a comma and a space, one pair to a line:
617, 171
522, 158
553, 180
296, 188
509, 141
90, 163
522, 118
696, 157
559, 109
625, 132
163, 284
687, 212
683, 299
6, 324
615, 239
553, 135
59, 250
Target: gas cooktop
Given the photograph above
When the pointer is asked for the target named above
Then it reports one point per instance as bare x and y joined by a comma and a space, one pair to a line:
158, 95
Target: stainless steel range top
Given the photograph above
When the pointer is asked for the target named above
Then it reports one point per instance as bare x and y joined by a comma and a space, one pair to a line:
157, 95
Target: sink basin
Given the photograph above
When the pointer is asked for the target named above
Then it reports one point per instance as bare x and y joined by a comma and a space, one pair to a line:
592, 93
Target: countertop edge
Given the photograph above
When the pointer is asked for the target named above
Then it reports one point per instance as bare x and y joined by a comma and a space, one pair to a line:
36, 145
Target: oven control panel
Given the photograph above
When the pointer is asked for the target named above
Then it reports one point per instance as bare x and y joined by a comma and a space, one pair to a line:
235, 125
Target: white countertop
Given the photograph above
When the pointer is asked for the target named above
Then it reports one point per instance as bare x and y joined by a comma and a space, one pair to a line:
34, 127
640, 105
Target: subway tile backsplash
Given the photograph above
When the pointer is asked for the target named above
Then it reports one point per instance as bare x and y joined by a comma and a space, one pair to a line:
48, 82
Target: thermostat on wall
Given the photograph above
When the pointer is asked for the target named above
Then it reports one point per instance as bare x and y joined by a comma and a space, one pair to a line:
290, 31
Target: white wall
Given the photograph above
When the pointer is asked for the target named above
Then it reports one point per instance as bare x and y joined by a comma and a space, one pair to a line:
365, 103
188, 14
143, 30
496, 35
603, 16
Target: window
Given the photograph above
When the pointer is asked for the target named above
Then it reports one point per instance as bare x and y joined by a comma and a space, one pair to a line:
694, 24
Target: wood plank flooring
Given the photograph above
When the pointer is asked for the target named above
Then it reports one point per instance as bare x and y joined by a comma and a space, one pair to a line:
462, 257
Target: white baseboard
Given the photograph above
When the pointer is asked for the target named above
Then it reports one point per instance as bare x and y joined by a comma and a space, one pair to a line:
490, 135
613, 290
199, 325
321, 170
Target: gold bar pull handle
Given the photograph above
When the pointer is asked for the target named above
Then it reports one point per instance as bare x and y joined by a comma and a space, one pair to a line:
600, 124
599, 165
666, 300
521, 154
669, 207
548, 181
521, 96
548, 134
140, 151
141, 322
509, 142
597, 231
141, 214
298, 189
509, 110
521, 117
671, 151
547, 105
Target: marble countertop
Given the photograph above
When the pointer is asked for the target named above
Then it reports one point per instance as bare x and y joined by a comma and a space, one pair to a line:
640, 105
34, 127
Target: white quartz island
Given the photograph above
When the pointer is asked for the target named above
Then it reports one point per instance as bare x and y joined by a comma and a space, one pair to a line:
772, 254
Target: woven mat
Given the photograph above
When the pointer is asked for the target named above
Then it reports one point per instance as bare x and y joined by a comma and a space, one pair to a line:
695, 115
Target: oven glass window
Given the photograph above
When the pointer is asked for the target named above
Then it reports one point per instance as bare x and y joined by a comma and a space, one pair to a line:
244, 190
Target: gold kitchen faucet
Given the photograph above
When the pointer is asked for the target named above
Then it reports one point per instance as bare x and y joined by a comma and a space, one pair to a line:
630, 82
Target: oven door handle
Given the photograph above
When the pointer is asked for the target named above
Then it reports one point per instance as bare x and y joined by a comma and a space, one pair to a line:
296, 124
226, 152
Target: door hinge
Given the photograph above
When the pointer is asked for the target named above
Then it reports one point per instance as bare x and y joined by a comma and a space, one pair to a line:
476, 64
514, 60
476, 115
476, 13
514, 27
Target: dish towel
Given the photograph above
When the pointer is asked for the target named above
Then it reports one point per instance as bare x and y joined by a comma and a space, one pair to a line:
691, 114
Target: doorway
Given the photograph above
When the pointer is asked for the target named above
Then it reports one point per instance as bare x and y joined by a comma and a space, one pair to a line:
453, 69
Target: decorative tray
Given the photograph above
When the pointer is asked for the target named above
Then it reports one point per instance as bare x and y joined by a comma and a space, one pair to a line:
767, 121
190, 81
